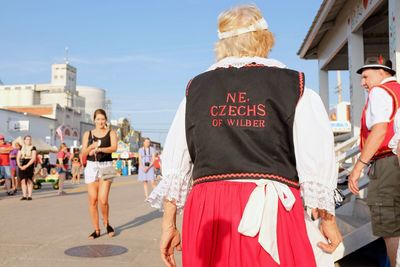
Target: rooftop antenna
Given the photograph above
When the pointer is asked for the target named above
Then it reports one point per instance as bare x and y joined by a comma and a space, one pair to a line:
66, 55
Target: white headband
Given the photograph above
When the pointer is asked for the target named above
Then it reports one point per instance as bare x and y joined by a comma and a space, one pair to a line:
260, 24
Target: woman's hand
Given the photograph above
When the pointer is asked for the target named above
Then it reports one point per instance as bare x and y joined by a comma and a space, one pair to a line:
92, 152
330, 231
170, 240
23, 168
93, 146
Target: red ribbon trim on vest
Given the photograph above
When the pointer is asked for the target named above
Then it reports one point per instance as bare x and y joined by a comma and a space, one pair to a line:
244, 175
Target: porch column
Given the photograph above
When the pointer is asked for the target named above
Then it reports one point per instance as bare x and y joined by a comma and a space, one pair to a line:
324, 87
357, 92
394, 34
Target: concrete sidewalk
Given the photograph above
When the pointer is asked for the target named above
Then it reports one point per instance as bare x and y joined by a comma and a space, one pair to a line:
37, 233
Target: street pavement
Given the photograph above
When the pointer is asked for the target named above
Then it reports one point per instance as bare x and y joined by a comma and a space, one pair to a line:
38, 232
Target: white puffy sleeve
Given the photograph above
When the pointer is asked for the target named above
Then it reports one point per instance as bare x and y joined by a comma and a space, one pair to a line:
176, 165
315, 152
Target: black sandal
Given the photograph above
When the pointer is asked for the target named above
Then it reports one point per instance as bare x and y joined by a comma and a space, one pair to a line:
95, 234
110, 230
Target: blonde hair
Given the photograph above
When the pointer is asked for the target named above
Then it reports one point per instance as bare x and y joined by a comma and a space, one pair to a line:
258, 43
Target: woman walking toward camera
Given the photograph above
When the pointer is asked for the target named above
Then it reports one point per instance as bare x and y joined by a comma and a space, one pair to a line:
26, 160
98, 145
146, 168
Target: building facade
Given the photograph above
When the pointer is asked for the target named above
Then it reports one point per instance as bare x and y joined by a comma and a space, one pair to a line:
60, 100
346, 32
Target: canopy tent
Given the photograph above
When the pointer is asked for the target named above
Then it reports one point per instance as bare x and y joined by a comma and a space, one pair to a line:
41, 146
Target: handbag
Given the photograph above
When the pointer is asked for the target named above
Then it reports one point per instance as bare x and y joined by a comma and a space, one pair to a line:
338, 197
108, 172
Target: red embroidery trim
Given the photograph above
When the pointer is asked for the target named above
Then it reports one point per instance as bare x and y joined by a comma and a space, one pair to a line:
301, 83
187, 87
239, 175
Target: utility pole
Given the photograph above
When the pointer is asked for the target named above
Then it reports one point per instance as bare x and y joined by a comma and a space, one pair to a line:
339, 86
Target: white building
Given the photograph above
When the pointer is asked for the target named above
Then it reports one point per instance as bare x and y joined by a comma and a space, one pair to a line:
61, 90
61, 100
95, 98
15, 124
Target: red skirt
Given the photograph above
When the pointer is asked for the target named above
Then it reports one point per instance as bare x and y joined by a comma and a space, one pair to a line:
210, 234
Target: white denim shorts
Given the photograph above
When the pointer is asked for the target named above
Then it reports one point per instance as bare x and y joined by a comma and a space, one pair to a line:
92, 170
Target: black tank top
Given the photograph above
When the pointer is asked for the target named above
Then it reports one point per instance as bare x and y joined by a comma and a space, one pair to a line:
76, 158
105, 142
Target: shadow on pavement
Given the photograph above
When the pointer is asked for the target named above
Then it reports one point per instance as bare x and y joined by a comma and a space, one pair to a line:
138, 221
56, 195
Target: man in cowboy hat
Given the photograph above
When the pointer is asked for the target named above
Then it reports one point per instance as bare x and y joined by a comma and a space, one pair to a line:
376, 131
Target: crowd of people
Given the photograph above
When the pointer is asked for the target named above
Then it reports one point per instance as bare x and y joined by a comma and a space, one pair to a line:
22, 164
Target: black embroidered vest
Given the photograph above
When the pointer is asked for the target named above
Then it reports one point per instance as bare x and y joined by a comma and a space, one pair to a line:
239, 123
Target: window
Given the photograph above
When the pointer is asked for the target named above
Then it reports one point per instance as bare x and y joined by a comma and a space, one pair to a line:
55, 76
61, 76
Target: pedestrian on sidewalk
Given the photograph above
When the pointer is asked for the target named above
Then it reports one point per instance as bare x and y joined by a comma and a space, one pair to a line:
14, 166
146, 169
76, 165
245, 140
62, 167
26, 163
377, 130
5, 171
157, 166
98, 145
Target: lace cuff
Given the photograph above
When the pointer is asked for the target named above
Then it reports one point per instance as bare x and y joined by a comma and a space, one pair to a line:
173, 188
316, 195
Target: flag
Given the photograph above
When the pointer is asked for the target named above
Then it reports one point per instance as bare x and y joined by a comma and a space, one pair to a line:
59, 132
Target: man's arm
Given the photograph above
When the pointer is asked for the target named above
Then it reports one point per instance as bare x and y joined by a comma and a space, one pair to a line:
6, 150
372, 144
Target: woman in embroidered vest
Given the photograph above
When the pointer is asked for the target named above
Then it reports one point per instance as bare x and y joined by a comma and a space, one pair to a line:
26, 163
245, 140
146, 169
98, 145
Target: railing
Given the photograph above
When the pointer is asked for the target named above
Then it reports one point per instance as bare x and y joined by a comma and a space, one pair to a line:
353, 216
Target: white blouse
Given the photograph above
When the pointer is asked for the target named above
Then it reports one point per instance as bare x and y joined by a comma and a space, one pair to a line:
313, 142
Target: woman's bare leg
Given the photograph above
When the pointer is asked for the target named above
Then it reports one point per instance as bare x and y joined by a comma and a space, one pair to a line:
146, 189
104, 191
30, 187
23, 186
93, 191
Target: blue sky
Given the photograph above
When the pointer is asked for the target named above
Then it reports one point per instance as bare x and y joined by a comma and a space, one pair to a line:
142, 52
